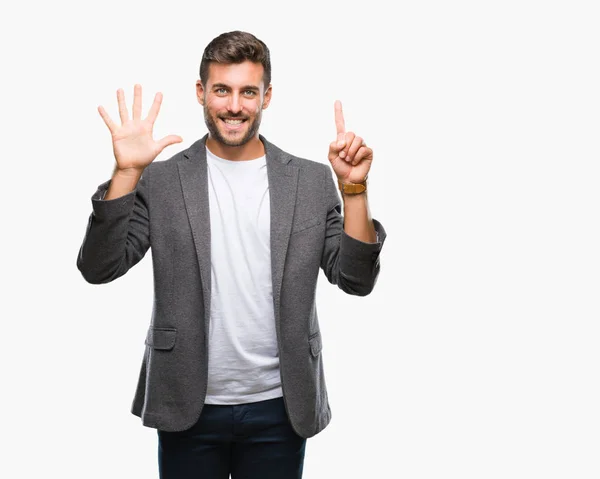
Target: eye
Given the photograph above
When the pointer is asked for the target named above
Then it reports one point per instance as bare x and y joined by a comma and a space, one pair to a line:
221, 91
249, 93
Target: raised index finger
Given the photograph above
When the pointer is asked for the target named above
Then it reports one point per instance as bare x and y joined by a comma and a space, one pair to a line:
340, 126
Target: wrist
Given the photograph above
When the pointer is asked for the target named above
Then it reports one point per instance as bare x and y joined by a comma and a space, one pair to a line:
351, 189
127, 173
356, 198
122, 183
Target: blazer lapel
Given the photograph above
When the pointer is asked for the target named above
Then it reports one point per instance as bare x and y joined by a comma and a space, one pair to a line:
283, 183
194, 183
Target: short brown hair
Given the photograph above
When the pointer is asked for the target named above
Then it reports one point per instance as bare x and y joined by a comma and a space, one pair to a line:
236, 47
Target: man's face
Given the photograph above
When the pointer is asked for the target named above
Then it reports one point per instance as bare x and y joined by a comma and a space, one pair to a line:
233, 100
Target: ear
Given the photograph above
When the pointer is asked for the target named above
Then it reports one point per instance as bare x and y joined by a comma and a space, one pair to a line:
267, 98
200, 92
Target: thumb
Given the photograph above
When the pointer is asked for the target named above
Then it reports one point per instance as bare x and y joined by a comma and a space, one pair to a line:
169, 140
337, 146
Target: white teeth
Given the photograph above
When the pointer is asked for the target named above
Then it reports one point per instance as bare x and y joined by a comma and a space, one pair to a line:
233, 122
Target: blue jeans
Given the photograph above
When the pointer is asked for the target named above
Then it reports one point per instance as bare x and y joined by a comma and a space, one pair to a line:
248, 441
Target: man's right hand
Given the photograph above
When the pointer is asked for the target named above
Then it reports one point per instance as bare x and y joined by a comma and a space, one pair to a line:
133, 145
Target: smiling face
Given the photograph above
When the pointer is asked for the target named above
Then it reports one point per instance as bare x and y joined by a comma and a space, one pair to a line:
233, 99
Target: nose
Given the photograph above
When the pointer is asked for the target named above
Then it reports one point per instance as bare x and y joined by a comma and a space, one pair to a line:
235, 105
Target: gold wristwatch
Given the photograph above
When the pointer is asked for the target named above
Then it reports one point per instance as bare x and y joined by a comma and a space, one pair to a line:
352, 188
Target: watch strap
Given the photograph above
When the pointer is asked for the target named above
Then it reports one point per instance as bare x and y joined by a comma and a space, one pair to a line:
352, 188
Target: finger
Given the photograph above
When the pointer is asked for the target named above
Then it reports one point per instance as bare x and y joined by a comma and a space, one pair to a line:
107, 120
334, 148
334, 151
137, 102
354, 146
348, 139
169, 140
340, 125
123, 113
364, 152
155, 108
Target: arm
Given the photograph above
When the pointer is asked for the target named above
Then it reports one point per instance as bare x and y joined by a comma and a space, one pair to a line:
118, 231
357, 218
349, 262
353, 242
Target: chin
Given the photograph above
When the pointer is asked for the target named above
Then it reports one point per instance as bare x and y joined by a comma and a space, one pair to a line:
238, 139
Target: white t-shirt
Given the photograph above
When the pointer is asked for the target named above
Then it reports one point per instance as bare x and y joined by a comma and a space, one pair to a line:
243, 357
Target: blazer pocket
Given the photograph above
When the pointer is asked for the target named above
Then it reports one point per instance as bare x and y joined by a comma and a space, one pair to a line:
161, 338
315, 344
304, 225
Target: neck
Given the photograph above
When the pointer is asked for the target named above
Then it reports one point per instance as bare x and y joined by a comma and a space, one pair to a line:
248, 151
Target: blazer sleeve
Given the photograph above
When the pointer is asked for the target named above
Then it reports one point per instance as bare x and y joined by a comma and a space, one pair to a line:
351, 264
117, 235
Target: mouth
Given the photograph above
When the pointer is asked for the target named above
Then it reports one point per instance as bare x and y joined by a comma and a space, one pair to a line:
233, 124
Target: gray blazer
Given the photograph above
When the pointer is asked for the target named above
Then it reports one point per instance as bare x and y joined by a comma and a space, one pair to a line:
169, 212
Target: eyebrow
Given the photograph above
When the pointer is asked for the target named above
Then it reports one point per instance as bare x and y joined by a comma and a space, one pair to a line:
245, 87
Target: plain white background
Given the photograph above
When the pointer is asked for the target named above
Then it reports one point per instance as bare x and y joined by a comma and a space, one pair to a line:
477, 354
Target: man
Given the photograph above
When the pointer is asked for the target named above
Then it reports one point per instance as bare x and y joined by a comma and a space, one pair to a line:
232, 377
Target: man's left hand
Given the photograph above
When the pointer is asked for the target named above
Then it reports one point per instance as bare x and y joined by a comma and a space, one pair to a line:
349, 156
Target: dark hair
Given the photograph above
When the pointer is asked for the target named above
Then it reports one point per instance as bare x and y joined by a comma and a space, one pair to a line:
236, 47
